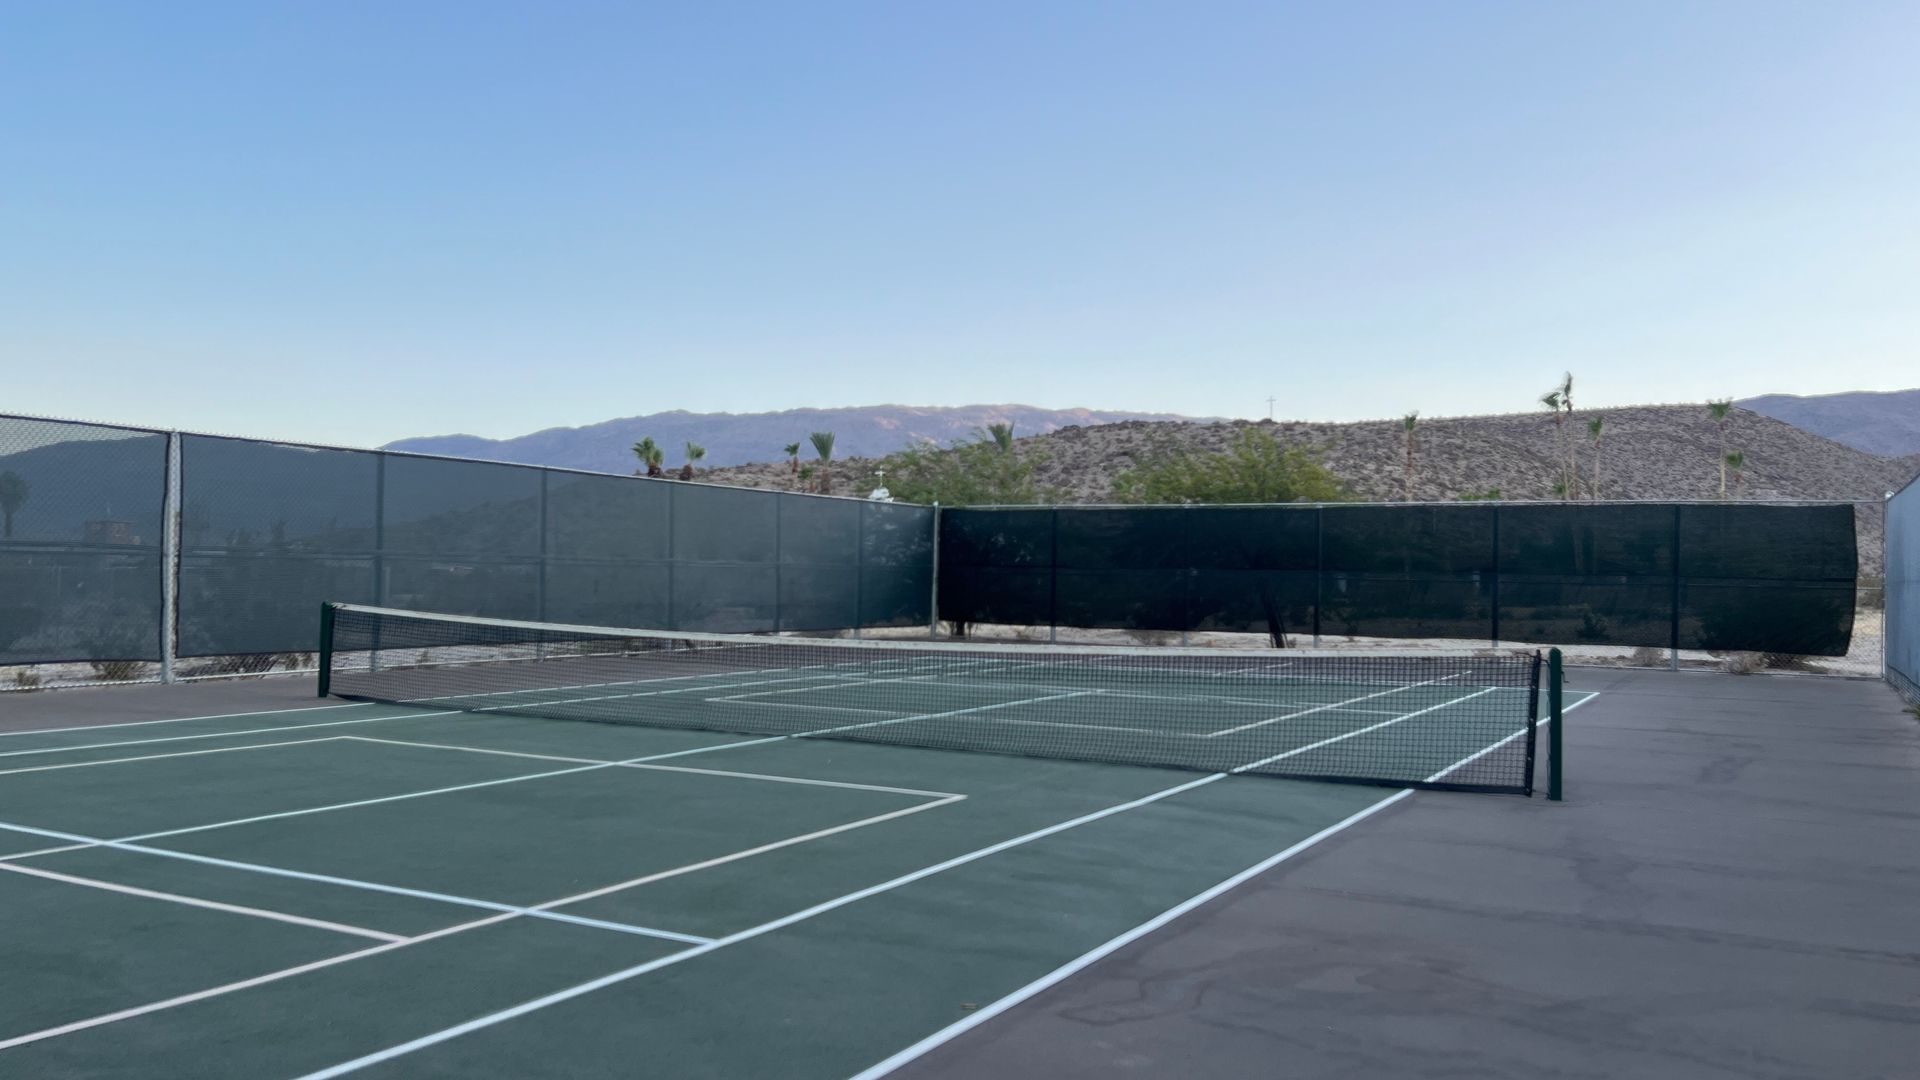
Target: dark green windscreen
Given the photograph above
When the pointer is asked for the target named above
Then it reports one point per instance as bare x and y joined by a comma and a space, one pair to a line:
1732, 577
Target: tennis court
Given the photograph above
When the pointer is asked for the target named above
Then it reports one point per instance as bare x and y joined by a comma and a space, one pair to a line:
769, 863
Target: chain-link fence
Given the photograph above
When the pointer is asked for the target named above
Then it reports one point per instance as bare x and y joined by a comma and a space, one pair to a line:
1742, 586
132, 554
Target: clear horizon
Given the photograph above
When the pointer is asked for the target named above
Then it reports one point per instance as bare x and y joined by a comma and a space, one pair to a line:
355, 225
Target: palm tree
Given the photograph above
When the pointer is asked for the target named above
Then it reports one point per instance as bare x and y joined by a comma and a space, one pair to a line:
792, 450
14, 490
823, 445
694, 453
1573, 451
1551, 400
1002, 435
1410, 421
1593, 432
1720, 411
1736, 461
650, 455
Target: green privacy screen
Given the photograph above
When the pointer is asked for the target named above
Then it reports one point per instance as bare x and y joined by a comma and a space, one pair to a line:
1767, 578
1903, 591
271, 530
80, 537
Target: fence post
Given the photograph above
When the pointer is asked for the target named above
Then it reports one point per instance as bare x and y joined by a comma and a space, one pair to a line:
1673, 634
780, 558
1053, 575
1319, 569
170, 561
859, 573
1493, 584
933, 588
1556, 739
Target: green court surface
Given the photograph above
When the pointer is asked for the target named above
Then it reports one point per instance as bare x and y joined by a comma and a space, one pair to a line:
408, 891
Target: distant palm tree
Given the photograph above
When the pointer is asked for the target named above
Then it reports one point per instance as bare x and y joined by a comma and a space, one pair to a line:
792, 451
823, 445
1721, 412
1737, 462
1573, 450
14, 490
1002, 435
650, 455
694, 453
1411, 420
1594, 427
1551, 400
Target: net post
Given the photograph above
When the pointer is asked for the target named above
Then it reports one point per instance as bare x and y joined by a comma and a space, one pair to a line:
1555, 712
326, 649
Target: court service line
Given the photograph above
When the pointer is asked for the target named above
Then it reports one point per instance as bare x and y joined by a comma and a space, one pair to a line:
194, 901
1483, 752
1361, 731
181, 719
410, 715
374, 801
1113, 945
275, 976
796, 705
536, 1004
243, 984
1334, 705
644, 763
354, 883
174, 754
632, 682
1093, 956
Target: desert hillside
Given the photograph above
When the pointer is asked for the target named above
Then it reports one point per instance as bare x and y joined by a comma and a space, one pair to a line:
1646, 453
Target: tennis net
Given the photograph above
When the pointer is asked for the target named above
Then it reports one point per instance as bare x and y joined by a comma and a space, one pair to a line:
1463, 721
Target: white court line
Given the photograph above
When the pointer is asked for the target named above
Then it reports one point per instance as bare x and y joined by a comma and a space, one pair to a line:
1358, 731
1565, 709
643, 763
174, 754
412, 715
793, 705
275, 976
632, 682
735, 938
749, 852
243, 984
1334, 705
180, 719
383, 798
194, 901
1088, 959
1113, 945
352, 883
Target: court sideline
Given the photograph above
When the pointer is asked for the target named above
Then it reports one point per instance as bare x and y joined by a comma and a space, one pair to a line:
1729, 891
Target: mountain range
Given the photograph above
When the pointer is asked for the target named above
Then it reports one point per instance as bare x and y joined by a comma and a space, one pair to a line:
1886, 423
739, 438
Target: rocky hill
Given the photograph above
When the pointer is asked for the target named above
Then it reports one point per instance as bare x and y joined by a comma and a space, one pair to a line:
1646, 453
1879, 423
736, 438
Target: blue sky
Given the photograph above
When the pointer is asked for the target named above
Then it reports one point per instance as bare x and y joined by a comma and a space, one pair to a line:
354, 222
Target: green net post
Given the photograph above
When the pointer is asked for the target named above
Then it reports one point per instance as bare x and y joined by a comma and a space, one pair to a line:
326, 648
1555, 713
